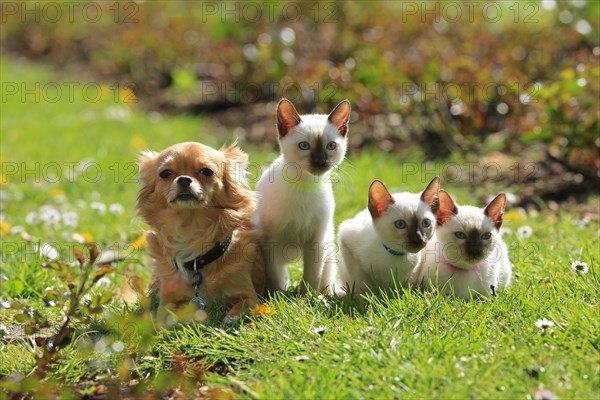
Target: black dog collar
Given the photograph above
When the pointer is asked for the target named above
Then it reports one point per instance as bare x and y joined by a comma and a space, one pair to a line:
212, 255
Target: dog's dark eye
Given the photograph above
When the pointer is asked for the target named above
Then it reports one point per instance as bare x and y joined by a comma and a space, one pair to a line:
206, 172
165, 173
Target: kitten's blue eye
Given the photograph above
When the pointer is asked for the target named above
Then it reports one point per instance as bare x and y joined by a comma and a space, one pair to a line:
400, 224
304, 145
460, 235
486, 236
331, 146
426, 223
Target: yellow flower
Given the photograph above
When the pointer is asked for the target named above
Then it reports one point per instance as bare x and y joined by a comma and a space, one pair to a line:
3, 179
127, 96
4, 228
138, 142
87, 237
514, 216
138, 243
262, 310
56, 192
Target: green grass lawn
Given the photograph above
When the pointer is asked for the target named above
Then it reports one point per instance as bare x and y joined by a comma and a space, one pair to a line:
69, 173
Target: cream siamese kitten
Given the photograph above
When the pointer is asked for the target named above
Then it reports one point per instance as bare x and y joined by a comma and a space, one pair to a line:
296, 204
382, 244
466, 256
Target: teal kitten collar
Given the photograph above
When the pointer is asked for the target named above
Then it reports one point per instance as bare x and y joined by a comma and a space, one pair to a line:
392, 251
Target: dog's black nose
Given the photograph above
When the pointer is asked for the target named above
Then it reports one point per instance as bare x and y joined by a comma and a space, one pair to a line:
184, 181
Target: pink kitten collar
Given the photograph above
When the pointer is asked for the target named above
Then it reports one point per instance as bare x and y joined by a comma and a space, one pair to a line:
454, 268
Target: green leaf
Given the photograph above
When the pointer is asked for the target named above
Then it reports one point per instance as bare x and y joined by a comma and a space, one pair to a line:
30, 329
52, 295
22, 318
105, 269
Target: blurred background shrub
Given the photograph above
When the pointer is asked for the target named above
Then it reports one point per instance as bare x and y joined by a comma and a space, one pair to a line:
450, 76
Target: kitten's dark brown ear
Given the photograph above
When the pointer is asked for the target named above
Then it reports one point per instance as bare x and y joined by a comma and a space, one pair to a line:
495, 210
340, 116
379, 198
430, 195
287, 117
447, 207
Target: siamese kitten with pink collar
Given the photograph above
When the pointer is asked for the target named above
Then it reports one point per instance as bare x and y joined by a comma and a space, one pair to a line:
466, 257
296, 203
381, 245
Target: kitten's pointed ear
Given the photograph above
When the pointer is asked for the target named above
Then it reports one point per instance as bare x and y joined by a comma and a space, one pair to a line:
340, 116
447, 207
430, 195
287, 117
379, 198
495, 210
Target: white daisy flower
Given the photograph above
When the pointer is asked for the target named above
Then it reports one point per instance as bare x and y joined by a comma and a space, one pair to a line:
116, 209
49, 215
70, 218
505, 231
524, 231
544, 324
15, 230
118, 113
104, 282
579, 267
78, 238
32, 218
100, 207
320, 330
4, 196
48, 251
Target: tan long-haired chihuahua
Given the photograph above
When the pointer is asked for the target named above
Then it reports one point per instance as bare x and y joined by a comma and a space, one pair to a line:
198, 203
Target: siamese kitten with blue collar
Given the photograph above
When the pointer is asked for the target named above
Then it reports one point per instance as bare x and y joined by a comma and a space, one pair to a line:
296, 203
381, 244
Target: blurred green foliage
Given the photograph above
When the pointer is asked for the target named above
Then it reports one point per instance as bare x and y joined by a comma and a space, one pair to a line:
450, 73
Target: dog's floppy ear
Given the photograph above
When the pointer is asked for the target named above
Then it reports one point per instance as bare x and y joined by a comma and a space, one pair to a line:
147, 171
234, 153
239, 195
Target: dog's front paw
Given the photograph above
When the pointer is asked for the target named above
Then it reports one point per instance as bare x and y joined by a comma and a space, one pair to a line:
230, 319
